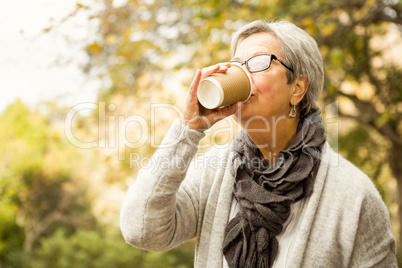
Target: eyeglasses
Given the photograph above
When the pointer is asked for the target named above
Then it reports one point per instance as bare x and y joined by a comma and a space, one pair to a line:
261, 62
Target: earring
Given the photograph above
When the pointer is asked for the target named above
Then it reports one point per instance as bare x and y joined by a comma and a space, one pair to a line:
293, 112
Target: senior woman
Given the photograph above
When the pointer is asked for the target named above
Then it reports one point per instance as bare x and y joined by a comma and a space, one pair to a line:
280, 197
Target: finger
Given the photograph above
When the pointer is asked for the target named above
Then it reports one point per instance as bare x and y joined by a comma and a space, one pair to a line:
231, 109
221, 113
223, 67
195, 82
209, 70
192, 93
224, 64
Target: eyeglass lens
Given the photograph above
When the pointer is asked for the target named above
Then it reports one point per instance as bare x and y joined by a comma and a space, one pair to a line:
259, 63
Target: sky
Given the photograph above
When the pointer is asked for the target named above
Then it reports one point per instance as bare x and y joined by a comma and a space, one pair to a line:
40, 67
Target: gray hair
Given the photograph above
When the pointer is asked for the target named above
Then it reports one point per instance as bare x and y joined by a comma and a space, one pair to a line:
300, 52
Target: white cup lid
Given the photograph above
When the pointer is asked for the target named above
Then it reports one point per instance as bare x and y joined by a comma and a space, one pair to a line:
210, 93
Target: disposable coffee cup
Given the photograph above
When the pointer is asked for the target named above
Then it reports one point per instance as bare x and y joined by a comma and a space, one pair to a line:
221, 89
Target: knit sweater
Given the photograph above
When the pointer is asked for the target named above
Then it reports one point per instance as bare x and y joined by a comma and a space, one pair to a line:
344, 223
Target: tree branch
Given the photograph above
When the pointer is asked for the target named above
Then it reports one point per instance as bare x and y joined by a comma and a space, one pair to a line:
385, 130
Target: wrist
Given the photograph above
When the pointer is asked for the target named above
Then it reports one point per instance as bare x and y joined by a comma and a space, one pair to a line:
191, 125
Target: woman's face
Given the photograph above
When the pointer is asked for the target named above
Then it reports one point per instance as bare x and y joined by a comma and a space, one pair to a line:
270, 98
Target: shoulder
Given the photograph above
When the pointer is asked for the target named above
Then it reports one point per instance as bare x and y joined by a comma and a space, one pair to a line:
346, 218
344, 176
365, 216
347, 190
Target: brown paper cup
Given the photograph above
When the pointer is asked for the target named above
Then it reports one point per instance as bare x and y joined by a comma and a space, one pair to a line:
221, 89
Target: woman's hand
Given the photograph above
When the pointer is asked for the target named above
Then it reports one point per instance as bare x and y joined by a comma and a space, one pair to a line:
195, 116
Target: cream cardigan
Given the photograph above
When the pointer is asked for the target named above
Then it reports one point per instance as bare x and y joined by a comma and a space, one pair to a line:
344, 223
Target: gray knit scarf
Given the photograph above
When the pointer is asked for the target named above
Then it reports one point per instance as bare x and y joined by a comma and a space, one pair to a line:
264, 193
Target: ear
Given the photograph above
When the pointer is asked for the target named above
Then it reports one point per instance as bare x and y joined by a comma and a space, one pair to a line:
300, 86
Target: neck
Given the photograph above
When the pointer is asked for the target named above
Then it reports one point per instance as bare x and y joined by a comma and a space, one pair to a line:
273, 138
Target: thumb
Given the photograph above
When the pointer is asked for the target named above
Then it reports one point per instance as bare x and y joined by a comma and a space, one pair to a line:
231, 109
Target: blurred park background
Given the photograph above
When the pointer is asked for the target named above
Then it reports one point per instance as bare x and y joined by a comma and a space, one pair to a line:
67, 158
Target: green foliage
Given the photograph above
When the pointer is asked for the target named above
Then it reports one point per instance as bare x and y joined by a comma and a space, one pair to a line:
367, 150
11, 236
180, 257
18, 152
92, 248
37, 195
84, 248
21, 137
46, 213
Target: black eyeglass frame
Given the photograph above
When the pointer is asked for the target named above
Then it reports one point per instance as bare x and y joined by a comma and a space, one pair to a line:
272, 56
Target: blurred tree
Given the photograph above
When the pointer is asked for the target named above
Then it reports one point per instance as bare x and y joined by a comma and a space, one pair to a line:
85, 248
46, 213
143, 43
102, 249
37, 192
